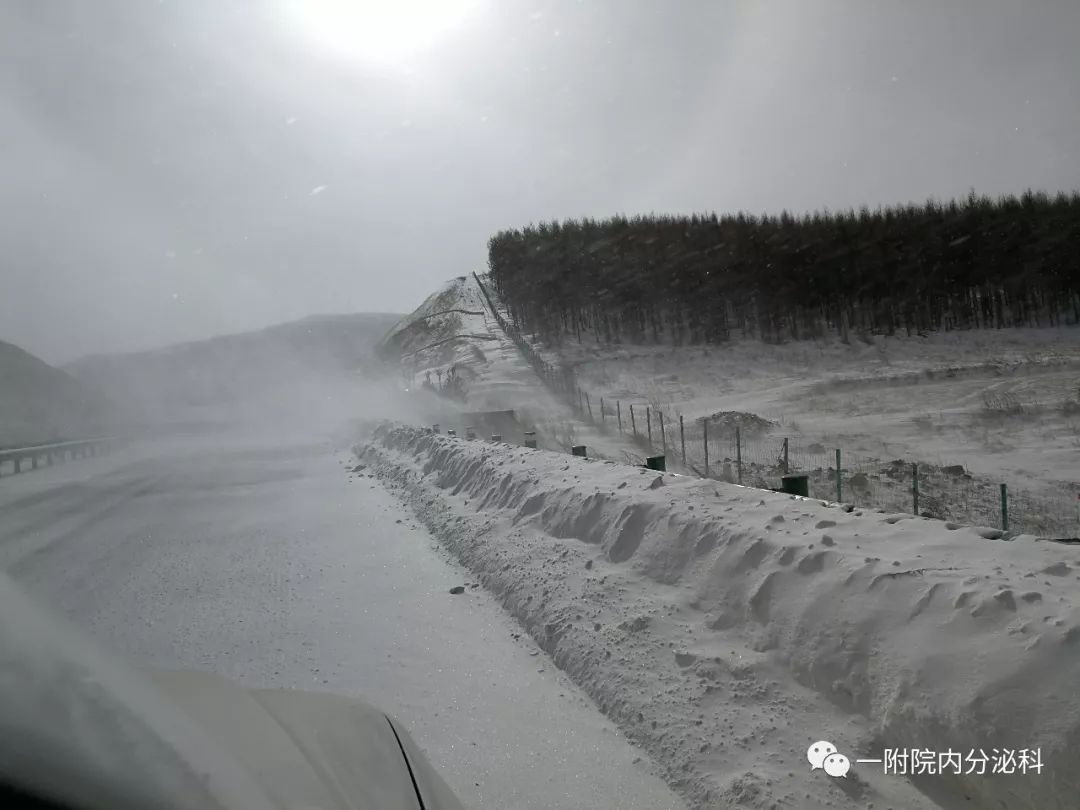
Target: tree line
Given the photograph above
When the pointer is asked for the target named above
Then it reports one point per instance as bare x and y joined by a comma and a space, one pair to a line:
976, 263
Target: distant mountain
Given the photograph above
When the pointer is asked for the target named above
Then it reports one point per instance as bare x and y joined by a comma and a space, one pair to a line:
181, 381
41, 404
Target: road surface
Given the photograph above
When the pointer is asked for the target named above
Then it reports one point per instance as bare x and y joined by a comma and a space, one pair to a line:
273, 566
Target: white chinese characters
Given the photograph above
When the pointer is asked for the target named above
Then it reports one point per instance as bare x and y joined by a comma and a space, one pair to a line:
976, 762
823, 755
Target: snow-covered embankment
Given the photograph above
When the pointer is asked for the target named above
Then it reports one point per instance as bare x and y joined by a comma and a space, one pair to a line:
726, 629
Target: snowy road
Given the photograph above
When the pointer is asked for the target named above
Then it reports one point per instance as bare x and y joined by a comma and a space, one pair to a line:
274, 567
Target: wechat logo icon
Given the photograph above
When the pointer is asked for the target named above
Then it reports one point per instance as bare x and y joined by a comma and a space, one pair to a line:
823, 755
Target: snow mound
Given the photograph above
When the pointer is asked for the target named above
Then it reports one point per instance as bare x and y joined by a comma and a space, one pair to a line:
726, 629
749, 423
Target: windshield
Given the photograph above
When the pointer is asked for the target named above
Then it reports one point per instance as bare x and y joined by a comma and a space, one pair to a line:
644, 404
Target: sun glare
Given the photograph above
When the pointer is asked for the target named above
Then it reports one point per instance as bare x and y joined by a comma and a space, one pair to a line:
385, 32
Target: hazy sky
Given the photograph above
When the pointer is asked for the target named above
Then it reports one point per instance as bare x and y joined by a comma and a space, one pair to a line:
177, 169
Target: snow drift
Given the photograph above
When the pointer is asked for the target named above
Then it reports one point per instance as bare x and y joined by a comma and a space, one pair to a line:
726, 629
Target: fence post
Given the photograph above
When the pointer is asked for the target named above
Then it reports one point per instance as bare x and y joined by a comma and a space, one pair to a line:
648, 423
633, 421
581, 402
839, 479
1004, 508
663, 433
589, 405
682, 439
618, 411
787, 467
915, 486
705, 425
738, 453
603, 417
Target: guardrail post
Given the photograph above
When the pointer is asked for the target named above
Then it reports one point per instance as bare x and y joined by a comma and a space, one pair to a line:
18, 465
33, 461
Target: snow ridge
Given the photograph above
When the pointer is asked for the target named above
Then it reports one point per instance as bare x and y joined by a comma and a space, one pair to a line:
726, 629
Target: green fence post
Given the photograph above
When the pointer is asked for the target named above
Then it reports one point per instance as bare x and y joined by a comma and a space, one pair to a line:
839, 479
915, 486
705, 426
618, 412
663, 434
633, 421
682, 439
648, 423
787, 467
738, 453
1004, 508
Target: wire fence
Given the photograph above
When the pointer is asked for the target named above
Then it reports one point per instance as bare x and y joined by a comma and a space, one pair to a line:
737, 449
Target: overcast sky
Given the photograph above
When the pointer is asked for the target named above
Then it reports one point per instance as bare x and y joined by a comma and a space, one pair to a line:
178, 169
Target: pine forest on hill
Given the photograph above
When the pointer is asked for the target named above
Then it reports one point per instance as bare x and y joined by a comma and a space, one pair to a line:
975, 263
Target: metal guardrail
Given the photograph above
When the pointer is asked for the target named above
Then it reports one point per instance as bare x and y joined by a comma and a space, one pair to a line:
52, 453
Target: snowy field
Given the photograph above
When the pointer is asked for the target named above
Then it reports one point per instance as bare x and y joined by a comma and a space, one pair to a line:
1002, 405
727, 629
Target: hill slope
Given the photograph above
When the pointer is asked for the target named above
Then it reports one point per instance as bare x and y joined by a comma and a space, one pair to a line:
40, 404
196, 381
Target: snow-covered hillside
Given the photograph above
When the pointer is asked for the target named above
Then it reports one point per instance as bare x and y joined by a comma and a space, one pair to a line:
934, 397
727, 629
454, 335
1003, 405
973, 410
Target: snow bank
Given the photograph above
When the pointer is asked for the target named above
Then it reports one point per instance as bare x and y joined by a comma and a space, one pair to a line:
727, 629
